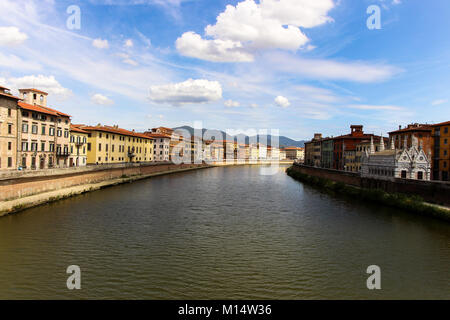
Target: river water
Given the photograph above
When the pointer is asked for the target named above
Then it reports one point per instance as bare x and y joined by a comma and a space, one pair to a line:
221, 233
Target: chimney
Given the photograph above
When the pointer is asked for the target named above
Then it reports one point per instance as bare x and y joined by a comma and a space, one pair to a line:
399, 127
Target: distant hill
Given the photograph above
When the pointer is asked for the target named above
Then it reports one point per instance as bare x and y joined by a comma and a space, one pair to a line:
283, 141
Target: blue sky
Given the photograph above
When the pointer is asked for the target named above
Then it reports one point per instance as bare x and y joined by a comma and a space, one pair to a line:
300, 66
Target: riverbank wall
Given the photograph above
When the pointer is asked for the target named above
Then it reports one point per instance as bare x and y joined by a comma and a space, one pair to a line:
21, 190
424, 197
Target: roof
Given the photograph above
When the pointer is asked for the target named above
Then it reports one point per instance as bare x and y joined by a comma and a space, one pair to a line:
59, 113
157, 135
116, 130
36, 108
388, 152
441, 124
420, 127
163, 128
76, 128
35, 90
293, 148
8, 95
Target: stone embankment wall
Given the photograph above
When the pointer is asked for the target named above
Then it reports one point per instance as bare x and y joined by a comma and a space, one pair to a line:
15, 185
431, 191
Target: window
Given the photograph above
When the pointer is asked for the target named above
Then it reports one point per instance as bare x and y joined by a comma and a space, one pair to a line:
89, 146
59, 132
446, 130
9, 128
107, 148
25, 127
9, 162
403, 174
420, 175
43, 146
9, 145
66, 133
99, 147
445, 141
34, 96
34, 146
34, 129
24, 146
52, 131
52, 147
43, 130
9, 112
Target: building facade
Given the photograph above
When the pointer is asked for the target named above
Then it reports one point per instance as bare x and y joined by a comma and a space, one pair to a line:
441, 151
344, 148
8, 130
404, 137
78, 146
161, 151
327, 153
111, 144
294, 153
406, 163
43, 133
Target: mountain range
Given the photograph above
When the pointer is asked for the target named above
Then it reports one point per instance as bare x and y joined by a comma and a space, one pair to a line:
283, 141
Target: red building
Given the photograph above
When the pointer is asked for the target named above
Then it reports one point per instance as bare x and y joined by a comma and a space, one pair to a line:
348, 143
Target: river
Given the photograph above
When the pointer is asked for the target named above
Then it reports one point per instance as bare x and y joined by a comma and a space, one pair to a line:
221, 233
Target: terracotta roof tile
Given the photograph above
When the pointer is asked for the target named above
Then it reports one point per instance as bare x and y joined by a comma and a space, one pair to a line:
35, 108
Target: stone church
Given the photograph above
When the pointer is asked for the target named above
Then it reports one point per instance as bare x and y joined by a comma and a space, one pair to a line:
392, 163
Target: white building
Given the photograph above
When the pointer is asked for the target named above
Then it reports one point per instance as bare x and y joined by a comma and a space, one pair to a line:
161, 146
406, 163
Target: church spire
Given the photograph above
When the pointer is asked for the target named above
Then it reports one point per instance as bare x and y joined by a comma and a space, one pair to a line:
381, 143
372, 146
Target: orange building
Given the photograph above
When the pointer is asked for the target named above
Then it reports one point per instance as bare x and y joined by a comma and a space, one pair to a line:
405, 137
441, 151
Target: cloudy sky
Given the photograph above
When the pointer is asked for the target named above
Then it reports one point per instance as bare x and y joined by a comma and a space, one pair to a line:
300, 66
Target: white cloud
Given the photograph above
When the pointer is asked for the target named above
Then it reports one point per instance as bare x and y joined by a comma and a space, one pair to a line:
250, 26
282, 102
375, 107
192, 45
17, 63
100, 44
48, 84
128, 43
11, 36
438, 102
254, 105
231, 104
127, 59
101, 100
189, 91
331, 70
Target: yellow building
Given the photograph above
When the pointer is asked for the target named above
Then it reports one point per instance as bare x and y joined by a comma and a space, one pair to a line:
441, 151
78, 146
111, 144
8, 130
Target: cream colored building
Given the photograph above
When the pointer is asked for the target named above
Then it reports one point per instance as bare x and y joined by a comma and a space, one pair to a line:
43, 133
78, 146
161, 151
111, 144
8, 130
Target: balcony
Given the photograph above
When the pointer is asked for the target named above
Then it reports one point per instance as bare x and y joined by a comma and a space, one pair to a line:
60, 153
